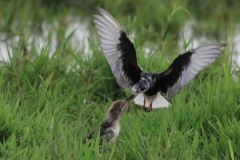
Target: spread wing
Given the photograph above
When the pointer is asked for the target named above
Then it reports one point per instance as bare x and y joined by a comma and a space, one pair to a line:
118, 50
185, 67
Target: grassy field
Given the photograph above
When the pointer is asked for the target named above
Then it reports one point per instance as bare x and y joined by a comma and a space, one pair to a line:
50, 101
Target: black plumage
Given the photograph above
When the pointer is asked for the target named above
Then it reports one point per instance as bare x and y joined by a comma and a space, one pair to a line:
170, 76
129, 61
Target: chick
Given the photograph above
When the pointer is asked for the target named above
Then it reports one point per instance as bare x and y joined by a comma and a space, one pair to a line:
110, 126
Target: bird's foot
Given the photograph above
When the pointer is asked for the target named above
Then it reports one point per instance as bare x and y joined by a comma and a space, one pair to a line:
144, 101
150, 106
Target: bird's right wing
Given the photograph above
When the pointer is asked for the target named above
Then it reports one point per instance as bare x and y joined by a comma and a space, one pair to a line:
118, 50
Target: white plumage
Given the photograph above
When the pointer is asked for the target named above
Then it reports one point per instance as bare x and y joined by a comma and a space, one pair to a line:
158, 101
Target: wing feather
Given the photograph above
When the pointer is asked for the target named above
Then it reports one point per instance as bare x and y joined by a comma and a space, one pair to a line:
108, 16
118, 50
186, 66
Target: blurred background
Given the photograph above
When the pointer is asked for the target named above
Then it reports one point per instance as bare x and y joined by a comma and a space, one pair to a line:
213, 20
52, 21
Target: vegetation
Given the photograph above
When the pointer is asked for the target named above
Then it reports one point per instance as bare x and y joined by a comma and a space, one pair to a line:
50, 101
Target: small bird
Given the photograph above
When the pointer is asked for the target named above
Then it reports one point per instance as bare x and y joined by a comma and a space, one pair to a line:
146, 86
110, 126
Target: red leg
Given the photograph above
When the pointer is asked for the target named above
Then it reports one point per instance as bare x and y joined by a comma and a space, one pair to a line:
144, 101
151, 102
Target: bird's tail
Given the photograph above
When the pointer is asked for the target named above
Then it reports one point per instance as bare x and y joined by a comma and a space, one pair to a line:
158, 101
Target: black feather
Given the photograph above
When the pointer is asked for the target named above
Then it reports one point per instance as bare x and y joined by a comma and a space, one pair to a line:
171, 75
129, 58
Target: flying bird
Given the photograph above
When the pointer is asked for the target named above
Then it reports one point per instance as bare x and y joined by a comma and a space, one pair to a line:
146, 86
110, 126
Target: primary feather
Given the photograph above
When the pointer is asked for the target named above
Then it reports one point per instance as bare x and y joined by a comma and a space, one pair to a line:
118, 50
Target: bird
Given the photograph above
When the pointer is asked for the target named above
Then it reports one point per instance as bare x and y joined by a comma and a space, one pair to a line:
147, 86
110, 126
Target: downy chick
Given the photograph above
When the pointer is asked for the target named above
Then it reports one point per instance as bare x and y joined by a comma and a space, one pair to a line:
110, 126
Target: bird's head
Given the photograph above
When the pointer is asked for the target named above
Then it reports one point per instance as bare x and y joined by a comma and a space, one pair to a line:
116, 109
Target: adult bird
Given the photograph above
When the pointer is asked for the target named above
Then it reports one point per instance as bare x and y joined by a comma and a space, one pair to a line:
121, 56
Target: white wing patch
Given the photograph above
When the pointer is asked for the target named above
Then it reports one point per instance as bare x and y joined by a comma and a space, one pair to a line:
158, 100
200, 58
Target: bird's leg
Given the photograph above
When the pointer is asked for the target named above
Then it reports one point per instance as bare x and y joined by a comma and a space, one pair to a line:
151, 102
144, 101
126, 101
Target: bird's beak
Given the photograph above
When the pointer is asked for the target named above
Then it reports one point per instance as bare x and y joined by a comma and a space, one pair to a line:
123, 106
126, 101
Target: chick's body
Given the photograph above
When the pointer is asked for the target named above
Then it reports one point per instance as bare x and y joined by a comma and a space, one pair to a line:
110, 126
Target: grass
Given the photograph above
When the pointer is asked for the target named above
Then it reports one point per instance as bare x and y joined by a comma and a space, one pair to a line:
50, 103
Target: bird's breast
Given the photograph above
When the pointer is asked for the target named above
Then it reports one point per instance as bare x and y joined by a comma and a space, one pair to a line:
152, 92
116, 129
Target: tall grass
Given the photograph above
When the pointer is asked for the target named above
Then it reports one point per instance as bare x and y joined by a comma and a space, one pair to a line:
49, 103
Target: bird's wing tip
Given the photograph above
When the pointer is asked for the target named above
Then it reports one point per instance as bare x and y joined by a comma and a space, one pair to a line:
95, 16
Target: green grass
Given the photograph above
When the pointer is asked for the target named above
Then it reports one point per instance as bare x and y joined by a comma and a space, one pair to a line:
46, 109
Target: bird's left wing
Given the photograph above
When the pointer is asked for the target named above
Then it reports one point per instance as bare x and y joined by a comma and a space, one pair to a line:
118, 50
185, 67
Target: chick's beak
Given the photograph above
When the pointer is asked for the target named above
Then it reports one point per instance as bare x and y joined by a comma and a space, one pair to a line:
124, 106
126, 101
